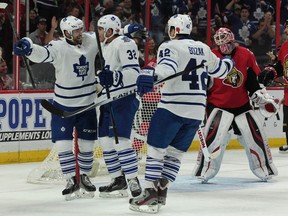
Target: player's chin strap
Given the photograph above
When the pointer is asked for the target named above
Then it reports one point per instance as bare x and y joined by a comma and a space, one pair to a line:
65, 114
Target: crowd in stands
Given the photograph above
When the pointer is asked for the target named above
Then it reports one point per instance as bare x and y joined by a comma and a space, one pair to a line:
252, 22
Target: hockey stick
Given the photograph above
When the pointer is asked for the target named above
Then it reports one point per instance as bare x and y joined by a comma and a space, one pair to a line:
208, 157
4, 6
102, 63
65, 114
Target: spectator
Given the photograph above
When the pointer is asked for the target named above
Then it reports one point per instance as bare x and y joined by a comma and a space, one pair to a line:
33, 21
39, 35
33, 17
75, 11
157, 19
5, 80
47, 9
199, 12
262, 39
242, 28
152, 51
257, 9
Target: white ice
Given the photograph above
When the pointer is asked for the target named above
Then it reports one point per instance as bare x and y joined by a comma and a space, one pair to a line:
234, 191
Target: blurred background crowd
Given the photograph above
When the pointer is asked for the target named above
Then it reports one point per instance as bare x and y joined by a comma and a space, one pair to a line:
252, 22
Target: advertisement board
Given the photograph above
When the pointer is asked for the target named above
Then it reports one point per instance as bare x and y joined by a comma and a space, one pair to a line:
25, 132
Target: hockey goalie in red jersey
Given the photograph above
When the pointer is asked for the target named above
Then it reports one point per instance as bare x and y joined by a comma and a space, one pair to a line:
228, 107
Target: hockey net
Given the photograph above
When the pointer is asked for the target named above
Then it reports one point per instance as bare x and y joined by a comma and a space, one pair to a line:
49, 171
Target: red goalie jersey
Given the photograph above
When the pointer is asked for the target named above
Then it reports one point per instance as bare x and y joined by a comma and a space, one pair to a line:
231, 92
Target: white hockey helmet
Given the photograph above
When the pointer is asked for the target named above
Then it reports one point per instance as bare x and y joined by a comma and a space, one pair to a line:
181, 23
69, 24
110, 22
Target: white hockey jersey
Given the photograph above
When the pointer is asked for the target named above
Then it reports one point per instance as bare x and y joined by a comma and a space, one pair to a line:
185, 95
122, 55
74, 69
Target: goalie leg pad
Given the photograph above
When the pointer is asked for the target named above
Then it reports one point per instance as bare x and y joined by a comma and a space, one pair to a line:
211, 168
217, 137
256, 145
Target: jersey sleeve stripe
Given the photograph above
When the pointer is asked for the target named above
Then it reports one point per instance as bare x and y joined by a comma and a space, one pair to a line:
130, 65
217, 69
169, 66
167, 59
223, 74
48, 55
75, 96
183, 103
75, 87
177, 94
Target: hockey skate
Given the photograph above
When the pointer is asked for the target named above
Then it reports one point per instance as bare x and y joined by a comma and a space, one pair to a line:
283, 149
162, 192
71, 191
116, 189
147, 201
86, 187
134, 186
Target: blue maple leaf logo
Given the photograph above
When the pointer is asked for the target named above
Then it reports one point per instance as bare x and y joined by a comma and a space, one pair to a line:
82, 68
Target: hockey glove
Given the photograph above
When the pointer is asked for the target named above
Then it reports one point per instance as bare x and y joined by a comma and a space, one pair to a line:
267, 105
23, 47
135, 30
267, 75
109, 78
145, 81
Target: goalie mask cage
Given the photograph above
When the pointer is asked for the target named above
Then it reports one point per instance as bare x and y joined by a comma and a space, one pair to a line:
49, 171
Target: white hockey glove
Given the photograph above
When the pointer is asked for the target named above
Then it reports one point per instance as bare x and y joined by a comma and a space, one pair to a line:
268, 106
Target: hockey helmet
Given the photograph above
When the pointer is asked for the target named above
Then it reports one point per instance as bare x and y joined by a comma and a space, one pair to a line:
69, 24
110, 22
181, 23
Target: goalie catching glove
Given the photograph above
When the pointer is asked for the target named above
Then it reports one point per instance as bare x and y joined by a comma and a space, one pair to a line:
145, 81
268, 106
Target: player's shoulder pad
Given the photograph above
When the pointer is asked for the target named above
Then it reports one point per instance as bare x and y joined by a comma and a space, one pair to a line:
57, 43
124, 41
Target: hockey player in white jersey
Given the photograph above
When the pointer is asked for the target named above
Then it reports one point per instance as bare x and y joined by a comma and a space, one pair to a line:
180, 110
120, 73
73, 58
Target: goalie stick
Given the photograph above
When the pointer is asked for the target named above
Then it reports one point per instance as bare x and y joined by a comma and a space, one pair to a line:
4, 6
208, 157
65, 114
